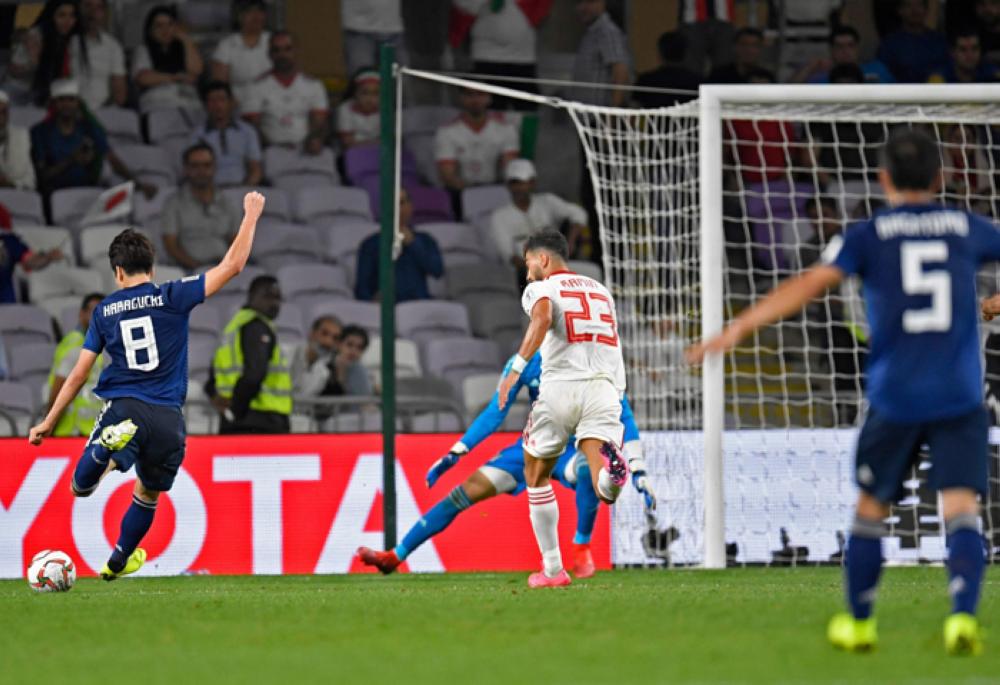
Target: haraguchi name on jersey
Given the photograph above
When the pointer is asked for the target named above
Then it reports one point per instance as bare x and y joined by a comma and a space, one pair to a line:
132, 304
926, 224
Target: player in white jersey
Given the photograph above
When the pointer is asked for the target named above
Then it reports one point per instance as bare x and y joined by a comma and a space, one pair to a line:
574, 323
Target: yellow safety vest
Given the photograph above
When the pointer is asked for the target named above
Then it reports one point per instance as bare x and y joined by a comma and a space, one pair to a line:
275, 394
79, 417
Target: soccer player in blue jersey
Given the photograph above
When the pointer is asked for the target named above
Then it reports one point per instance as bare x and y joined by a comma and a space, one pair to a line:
143, 328
504, 474
918, 263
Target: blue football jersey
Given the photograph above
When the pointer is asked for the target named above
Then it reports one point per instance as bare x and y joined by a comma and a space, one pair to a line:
145, 332
918, 268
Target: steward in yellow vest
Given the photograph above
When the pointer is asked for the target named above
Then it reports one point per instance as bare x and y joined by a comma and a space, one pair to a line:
251, 383
79, 417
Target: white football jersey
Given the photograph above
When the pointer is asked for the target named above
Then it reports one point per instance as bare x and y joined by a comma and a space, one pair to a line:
583, 342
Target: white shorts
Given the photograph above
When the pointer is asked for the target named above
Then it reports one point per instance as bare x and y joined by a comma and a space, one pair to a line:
586, 409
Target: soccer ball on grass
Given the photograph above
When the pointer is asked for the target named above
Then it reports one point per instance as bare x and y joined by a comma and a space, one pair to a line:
51, 571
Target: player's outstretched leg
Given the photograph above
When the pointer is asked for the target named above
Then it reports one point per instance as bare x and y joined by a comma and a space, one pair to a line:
966, 563
544, 512
475, 489
856, 631
586, 514
127, 557
96, 460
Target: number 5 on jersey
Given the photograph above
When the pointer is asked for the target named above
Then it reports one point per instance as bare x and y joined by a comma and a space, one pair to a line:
590, 324
138, 336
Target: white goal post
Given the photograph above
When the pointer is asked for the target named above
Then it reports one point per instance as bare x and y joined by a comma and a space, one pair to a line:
752, 454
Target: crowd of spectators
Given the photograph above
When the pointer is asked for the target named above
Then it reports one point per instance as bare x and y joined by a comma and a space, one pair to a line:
241, 101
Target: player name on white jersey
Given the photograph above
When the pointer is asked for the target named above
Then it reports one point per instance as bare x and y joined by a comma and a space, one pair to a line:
945, 222
133, 303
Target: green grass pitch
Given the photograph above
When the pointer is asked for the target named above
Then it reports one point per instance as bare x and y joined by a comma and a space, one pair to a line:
621, 627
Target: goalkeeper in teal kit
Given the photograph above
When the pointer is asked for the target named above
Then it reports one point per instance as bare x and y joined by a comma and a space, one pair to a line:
504, 474
918, 263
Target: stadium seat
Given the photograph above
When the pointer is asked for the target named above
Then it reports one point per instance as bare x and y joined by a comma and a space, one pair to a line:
234, 294
478, 202
291, 324
30, 365
164, 124
496, 317
94, 243
435, 422
43, 238
477, 391
26, 116
362, 162
25, 324
430, 205
17, 407
318, 206
481, 279
276, 206
456, 358
163, 273
205, 325
59, 280
586, 268
407, 358
455, 239
313, 279
426, 118
425, 320
121, 125
291, 170
147, 211
68, 316
280, 244
421, 145
150, 163
205, 16
364, 314
25, 207
70, 204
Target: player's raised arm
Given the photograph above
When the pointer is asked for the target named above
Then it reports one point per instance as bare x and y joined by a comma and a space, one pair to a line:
239, 251
789, 297
74, 381
541, 322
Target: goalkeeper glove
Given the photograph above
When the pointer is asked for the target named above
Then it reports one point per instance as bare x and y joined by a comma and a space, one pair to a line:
439, 467
640, 478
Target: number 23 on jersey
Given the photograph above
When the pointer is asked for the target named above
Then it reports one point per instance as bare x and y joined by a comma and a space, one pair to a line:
592, 321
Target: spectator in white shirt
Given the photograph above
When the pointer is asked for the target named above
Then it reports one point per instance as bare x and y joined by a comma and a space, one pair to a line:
530, 213
98, 60
16, 169
358, 118
288, 107
241, 58
475, 148
366, 25
167, 65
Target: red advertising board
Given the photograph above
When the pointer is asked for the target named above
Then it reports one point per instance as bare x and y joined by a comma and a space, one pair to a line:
271, 504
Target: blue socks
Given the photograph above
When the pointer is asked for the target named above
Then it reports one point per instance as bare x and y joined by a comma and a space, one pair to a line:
863, 565
89, 469
966, 560
437, 519
586, 504
135, 524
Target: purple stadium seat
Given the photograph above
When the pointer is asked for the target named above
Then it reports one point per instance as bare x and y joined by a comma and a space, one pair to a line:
770, 206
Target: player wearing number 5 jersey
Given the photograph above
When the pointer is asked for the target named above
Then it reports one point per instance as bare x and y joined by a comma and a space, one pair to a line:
573, 321
143, 328
918, 262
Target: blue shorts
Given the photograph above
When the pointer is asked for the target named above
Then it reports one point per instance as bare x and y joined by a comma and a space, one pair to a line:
958, 446
157, 448
511, 460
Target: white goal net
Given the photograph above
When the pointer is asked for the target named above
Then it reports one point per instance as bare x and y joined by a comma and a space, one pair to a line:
703, 208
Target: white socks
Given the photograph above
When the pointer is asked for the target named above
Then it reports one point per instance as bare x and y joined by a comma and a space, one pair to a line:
544, 513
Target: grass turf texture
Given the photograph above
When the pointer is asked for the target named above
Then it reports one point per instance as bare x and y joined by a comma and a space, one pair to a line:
735, 626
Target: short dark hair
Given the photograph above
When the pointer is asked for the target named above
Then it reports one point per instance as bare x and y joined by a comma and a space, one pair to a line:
761, 74
962, 32
133, 252
749, 31
847, 72
354, 329
550, 241
844, 30
198, 147
321, 319
260, 283
213, 86
90, 297
672, 46
912, 159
